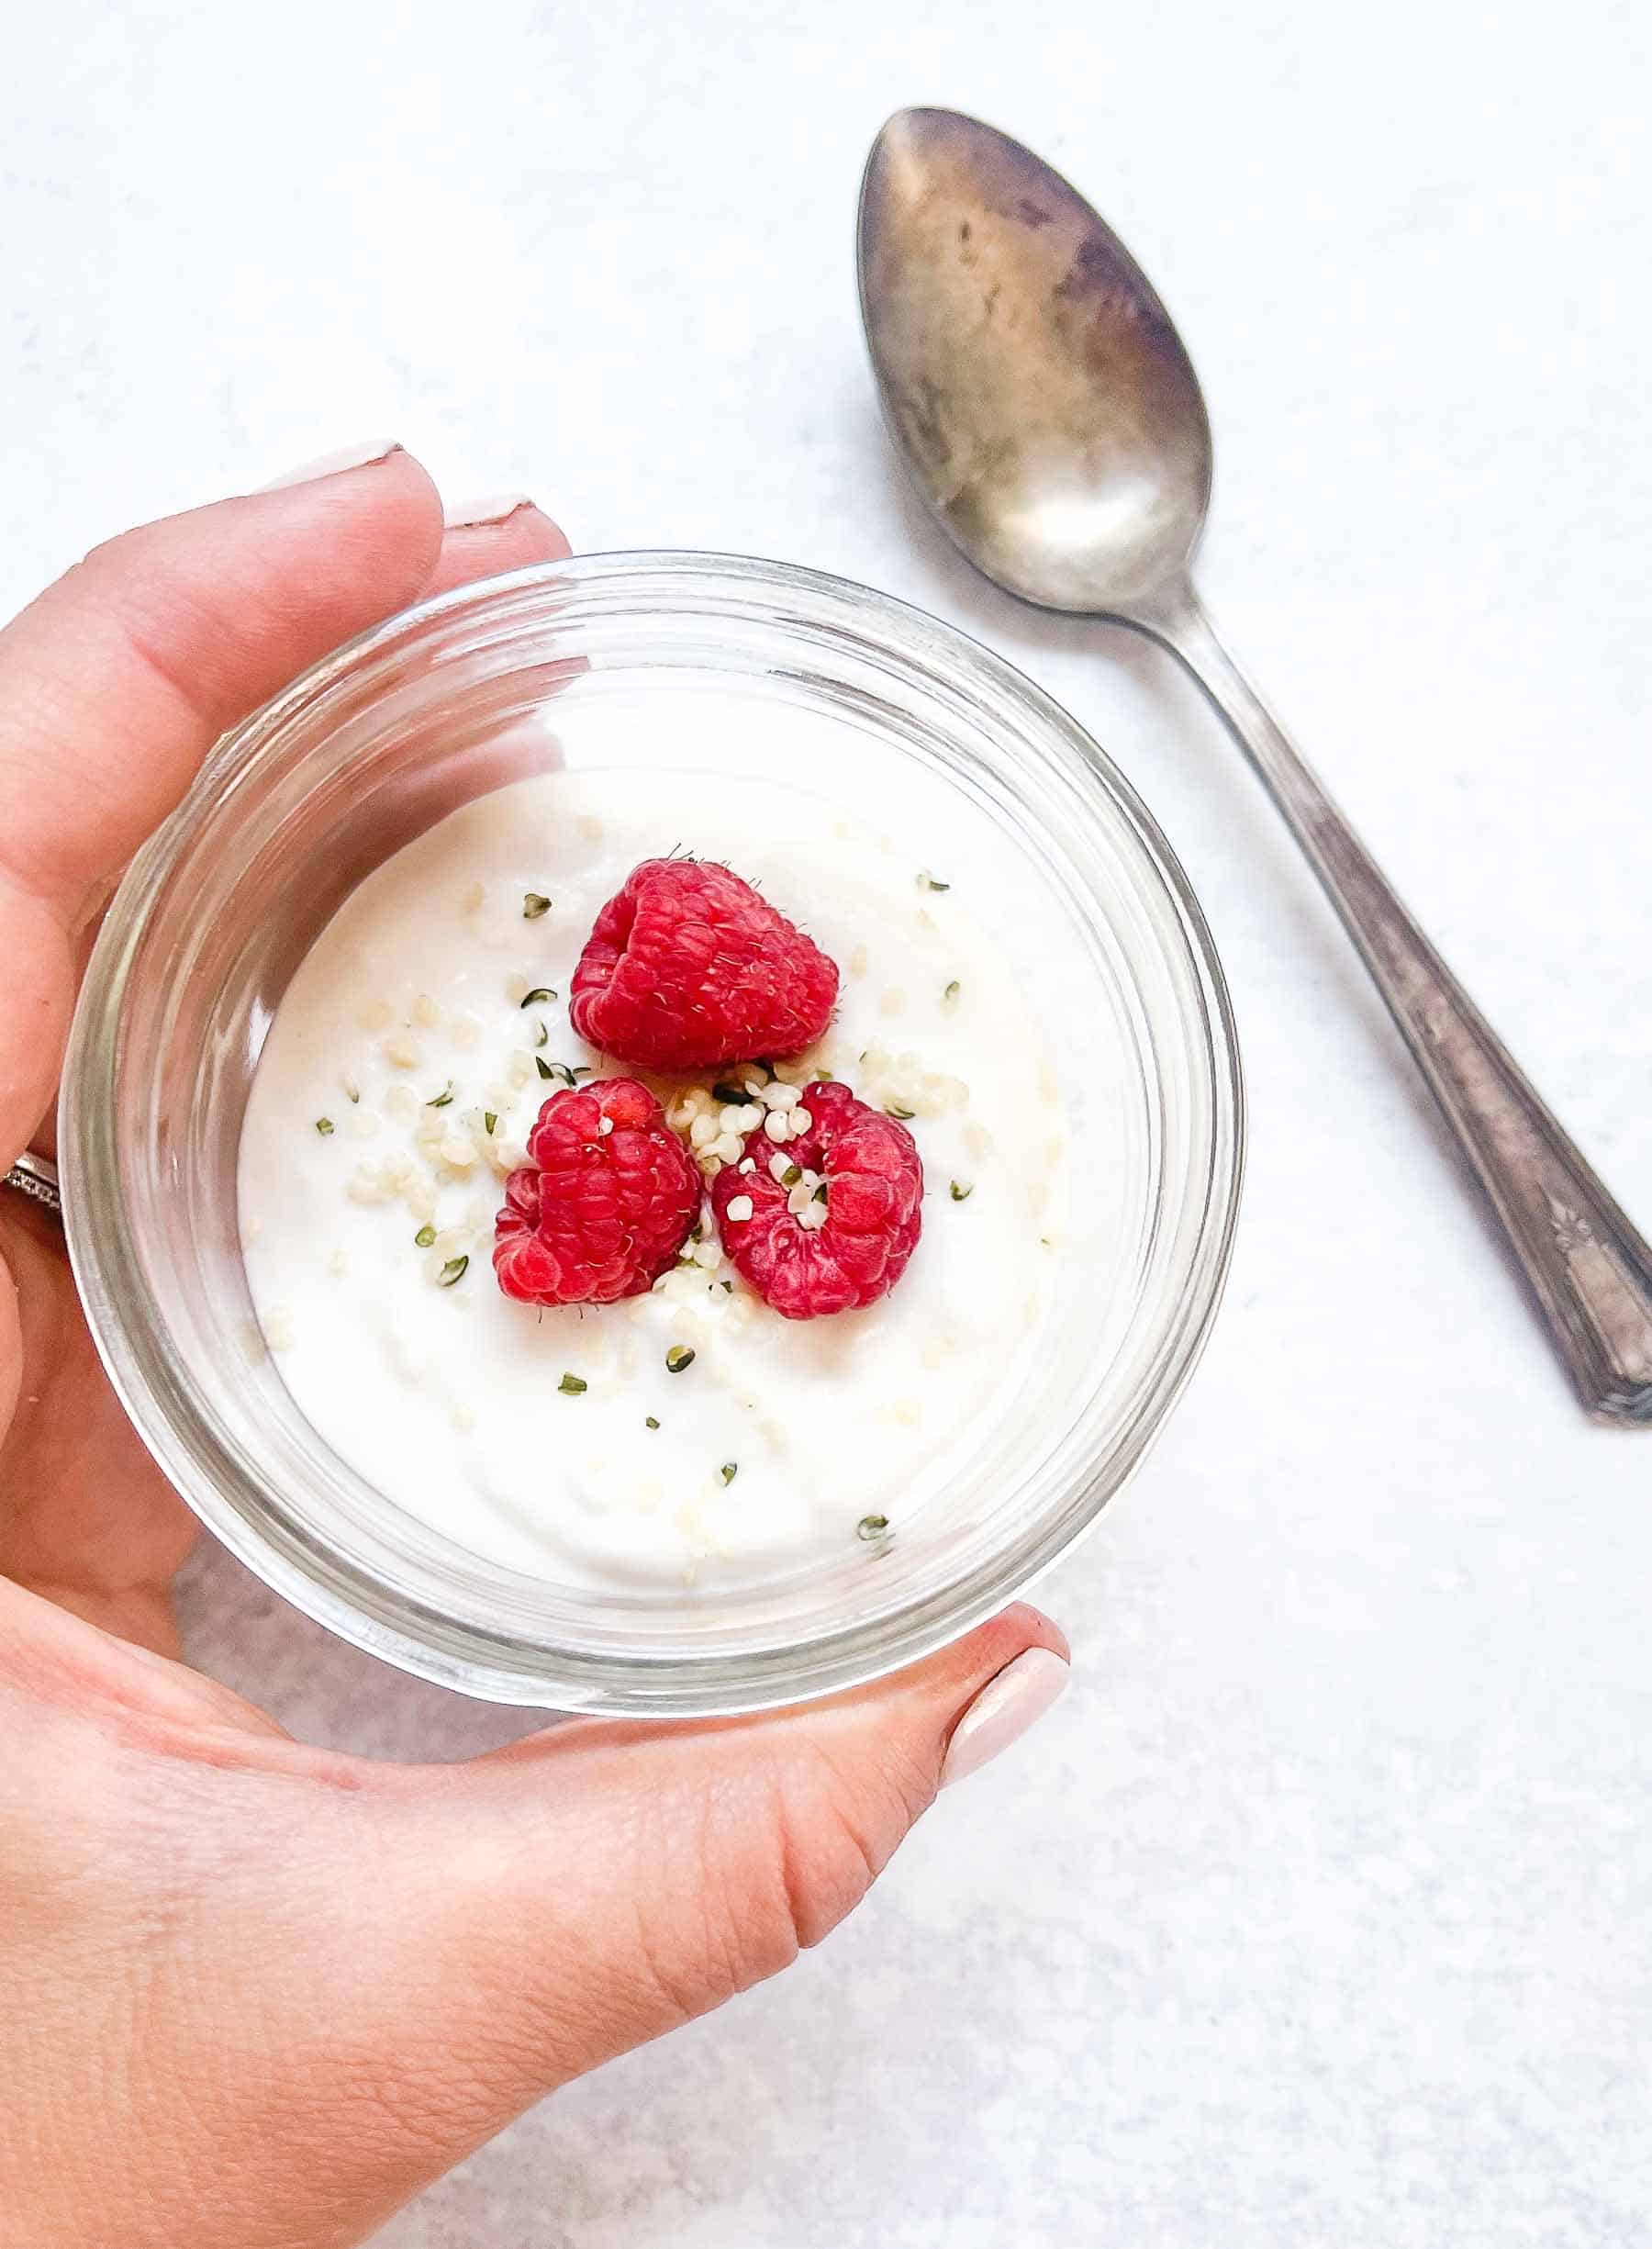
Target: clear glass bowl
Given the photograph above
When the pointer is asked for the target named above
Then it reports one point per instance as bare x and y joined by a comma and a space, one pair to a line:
386, 737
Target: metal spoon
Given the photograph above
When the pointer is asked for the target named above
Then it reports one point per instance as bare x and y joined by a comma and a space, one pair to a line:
1051, 420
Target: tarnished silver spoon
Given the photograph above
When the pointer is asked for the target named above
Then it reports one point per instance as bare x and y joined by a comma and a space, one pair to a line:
1051, 420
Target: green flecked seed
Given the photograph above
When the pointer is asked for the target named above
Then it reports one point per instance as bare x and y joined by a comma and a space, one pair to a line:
542, 1067
454, 1269
898, 1109
539, 996
926, 882
953, 990
792, 1175
544, 1037
443, 1099
871, 1526
582, 1070
573, 1386
961, 1190
733, 1095
534, 905
677, 1358
826, 1076
650, 1423
729, 1470
490, 1121
324, 1124
425, 1238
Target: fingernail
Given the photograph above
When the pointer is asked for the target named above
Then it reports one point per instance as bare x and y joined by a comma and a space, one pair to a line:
1003, 1710
474, 514
335, 464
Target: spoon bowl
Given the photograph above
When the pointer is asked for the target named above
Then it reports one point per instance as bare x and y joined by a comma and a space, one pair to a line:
1050, 417
1040, 393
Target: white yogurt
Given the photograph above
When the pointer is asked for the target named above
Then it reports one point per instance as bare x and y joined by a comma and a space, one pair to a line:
447, 1397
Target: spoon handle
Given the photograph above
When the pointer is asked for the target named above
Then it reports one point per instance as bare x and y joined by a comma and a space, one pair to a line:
1591, 1271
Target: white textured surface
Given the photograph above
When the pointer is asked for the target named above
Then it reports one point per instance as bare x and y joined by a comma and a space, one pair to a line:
1316, 1914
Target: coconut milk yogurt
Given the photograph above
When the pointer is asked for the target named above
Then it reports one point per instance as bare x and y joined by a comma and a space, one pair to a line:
713, 1442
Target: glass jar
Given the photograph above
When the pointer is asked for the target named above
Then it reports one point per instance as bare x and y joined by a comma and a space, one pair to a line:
457, 697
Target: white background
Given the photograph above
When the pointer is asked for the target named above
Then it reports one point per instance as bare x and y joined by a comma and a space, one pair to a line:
1318, 1912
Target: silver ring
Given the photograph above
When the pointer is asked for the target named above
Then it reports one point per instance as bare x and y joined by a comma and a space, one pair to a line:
36, 1177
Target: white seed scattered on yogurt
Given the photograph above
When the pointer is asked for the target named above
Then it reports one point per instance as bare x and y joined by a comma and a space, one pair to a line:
393, 1338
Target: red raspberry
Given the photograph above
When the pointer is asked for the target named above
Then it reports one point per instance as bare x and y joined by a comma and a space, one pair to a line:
603, 1204
874, 1209
688, 969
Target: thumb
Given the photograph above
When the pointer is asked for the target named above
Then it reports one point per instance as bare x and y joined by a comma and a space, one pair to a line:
544, 1909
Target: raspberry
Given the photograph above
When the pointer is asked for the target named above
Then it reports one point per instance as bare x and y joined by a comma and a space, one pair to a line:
874, 1210
688, 969
603, 1204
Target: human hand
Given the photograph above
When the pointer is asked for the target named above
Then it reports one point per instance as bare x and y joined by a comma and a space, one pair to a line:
254, 1993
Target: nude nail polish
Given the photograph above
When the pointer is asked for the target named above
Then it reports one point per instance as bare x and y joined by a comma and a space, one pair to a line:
482, 514
335, 464
1003, 1710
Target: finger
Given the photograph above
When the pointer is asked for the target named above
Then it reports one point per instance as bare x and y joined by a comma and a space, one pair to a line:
119, 678
355, 1975
485, 537
480, 542
11, 1347
86, 1518
550, 1906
